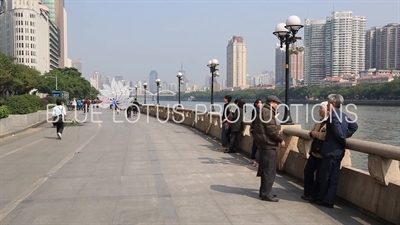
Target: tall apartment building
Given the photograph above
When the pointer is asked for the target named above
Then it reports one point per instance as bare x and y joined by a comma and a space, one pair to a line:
58, 16
236, 65
280, 63
334, 46
152, 86
27, 34
296, 64
95, 81
382, 47
77, 63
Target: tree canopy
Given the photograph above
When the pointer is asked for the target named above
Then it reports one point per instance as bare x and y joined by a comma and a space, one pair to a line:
19, 79
388, 90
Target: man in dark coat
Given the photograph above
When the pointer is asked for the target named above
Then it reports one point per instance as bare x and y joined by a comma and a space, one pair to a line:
267, 135
338, 128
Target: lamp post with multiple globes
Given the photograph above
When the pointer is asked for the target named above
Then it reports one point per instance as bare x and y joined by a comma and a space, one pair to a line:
145, 89
286, 34
158, 83
180, 81
212, 64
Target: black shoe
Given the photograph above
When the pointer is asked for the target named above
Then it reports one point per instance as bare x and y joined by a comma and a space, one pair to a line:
313, 200
307, 198
273, 199
229, 151
325, 204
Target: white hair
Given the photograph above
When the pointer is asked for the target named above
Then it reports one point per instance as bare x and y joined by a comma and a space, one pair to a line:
324, 105
336, 99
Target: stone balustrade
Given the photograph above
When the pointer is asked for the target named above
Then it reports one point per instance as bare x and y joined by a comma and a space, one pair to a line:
376, 191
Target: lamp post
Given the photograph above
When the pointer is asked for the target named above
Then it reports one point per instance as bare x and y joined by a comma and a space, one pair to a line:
286, 34
136, 87
145, 88
180, 81
158, 83
56, 80
212, 64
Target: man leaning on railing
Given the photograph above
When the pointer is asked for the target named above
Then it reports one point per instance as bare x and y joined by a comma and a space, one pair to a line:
338, 128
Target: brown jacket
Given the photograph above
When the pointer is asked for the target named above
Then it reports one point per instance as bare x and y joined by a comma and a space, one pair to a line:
320, 128
266, 133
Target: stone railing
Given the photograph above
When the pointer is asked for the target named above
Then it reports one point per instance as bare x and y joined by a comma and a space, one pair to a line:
377, 192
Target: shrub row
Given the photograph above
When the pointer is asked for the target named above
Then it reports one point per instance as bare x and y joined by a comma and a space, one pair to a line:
24, 104
4, 112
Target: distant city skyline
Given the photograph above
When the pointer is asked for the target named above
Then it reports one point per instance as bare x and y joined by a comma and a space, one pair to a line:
162, 40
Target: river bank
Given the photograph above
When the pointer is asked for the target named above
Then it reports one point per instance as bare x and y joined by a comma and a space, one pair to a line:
355, 102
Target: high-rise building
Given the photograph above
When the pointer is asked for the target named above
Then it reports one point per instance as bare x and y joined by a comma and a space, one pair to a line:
58, 16
335, 46
153, 76
280, 62
296, 63
96, 81
382, 47
314, 51
77, 64
236, 65
26, 33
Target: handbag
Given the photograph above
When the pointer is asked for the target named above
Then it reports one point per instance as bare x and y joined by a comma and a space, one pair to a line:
316, 145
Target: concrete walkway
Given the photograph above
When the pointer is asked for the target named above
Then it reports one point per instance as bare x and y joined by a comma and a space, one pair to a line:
142, 173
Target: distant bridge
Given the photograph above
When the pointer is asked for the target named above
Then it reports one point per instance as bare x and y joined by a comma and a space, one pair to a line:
140, 93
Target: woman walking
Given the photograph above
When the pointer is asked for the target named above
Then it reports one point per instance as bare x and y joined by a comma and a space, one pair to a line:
59, 114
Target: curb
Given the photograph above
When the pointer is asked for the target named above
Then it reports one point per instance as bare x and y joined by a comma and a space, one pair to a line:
23, 129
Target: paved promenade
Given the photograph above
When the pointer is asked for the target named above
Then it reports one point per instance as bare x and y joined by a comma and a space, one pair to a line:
142, 173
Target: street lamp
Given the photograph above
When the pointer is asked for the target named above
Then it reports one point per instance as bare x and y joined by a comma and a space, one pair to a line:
145, 88
180, 81
212, 64
158, 83
286, 34
56, 80
136, 87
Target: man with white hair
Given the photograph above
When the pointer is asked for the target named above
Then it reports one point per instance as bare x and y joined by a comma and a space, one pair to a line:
338, 128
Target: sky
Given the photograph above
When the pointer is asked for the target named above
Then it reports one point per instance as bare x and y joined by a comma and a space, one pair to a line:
130, 38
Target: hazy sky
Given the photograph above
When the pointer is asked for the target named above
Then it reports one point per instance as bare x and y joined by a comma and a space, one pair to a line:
130, 38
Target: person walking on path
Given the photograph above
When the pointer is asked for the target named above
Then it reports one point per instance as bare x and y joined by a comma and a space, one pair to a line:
59, 114
225, 131
268, 136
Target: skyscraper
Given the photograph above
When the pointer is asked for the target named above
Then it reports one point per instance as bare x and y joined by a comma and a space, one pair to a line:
335, 46
236, 65
27, 34
153, 76
382, 46
280, 62
77, 64
58, 16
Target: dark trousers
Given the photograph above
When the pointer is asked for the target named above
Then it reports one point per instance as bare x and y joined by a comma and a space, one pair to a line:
254, 151
328, 179
60, 127
267, 171
311, 176
233, 141
225, 134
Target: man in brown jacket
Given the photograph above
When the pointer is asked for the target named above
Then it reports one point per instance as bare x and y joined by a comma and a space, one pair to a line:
267, 136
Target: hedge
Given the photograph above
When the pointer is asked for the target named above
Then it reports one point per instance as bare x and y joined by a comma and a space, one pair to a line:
4, 112
23, 104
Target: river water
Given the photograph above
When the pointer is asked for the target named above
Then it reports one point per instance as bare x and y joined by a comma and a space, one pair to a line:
377, 124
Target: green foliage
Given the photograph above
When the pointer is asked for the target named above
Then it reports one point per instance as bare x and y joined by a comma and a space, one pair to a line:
16, 78
70, 80
2, 101
388, 90
23, 104
4, 112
